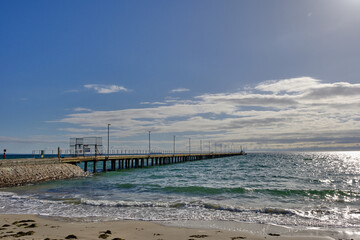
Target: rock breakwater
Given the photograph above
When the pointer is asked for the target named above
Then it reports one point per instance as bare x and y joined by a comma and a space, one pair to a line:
25, 174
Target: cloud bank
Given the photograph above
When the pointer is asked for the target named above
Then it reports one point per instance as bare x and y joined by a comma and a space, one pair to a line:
294, 114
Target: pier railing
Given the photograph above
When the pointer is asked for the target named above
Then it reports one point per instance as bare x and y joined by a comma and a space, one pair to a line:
118, 162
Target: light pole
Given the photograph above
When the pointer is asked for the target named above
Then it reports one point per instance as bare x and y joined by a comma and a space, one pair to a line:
108, 152
174, 144
149, 143
201, 146
189, 146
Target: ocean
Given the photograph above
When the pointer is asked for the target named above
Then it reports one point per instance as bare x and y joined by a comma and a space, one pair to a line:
299, 191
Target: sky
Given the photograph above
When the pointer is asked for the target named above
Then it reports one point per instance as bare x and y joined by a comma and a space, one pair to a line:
279, 75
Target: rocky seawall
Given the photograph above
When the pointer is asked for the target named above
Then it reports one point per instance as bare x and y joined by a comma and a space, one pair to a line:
24, 174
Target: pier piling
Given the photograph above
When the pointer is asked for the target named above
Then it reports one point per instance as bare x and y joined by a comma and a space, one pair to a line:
141, 161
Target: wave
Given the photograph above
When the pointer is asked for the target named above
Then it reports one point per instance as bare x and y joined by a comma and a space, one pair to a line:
277, 211
178, 205
188, 189
127, 204
203, 190
187, 210
6, 194
131, 186
322, 194
200, 190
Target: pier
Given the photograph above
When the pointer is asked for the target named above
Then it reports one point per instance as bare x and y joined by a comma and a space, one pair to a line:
118, 162
15, 172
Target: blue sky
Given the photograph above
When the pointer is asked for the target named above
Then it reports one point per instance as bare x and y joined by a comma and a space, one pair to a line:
268, 75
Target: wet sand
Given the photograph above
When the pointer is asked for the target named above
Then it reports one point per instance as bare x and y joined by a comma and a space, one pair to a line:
34, 227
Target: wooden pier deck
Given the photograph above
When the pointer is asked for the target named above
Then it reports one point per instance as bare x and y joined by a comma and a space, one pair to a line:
118, 162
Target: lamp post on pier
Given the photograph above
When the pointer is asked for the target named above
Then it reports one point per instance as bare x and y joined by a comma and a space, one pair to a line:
149, 143
174, 144
108, 151
189, 146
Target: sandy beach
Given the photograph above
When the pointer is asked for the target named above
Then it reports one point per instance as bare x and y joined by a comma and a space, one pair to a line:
35, 227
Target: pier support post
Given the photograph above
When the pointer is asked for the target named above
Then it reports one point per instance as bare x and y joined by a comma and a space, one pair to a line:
104, 165
94, 166
113, 163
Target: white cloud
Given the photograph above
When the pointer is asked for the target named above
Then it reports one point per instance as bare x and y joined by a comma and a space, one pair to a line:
152, 103
249, 99
340, 91
283, 114
77, 130
105, 89
300, 84
179, 90
80, 109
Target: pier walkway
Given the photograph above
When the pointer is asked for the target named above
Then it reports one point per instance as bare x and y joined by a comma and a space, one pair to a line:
117, 162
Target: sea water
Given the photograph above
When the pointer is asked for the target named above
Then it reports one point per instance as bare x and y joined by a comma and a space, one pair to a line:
313, 190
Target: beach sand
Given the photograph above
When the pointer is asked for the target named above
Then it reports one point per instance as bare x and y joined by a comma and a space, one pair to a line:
35, 227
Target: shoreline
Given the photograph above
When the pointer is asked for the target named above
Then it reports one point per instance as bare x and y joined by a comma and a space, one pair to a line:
40, 227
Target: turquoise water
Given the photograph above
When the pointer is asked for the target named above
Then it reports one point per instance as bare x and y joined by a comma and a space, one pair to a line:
305, 190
